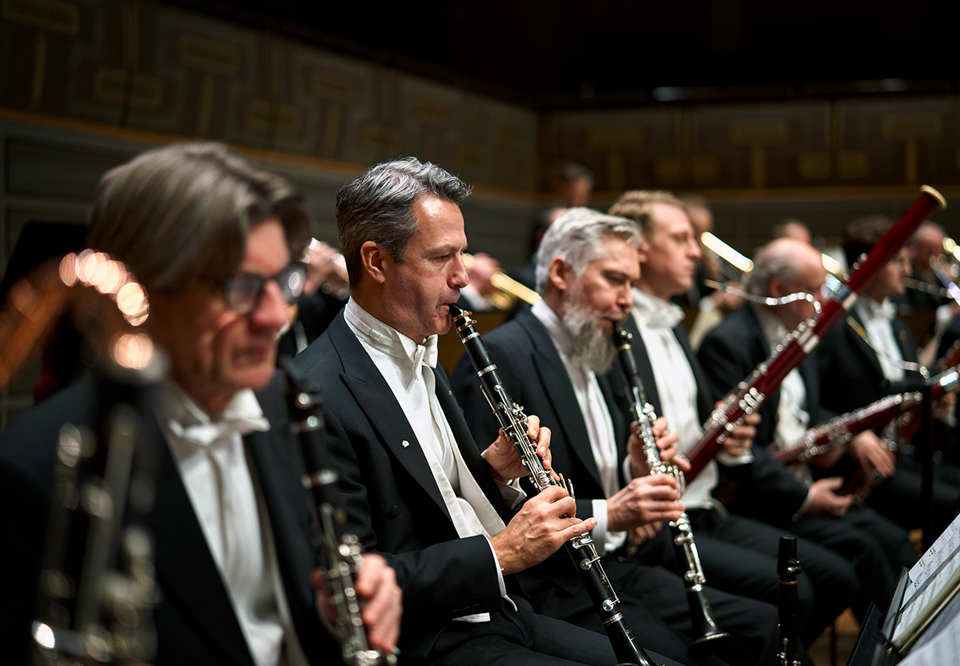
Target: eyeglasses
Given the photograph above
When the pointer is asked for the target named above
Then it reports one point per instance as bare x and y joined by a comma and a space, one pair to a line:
242, 293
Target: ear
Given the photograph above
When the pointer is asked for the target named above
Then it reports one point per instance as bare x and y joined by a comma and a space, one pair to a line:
643, 252
373, 261
560, 274
775, 288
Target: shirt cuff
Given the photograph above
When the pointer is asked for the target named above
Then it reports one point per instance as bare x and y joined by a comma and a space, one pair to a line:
496, 561
600, 531
511, 492
627, 468
803, 507
731, 461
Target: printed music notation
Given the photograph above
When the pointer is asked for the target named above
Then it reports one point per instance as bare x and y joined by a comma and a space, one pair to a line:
941, 649
933, 581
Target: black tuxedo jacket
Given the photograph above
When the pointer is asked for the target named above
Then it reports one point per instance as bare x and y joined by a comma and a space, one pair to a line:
392, 500
850, 373
194, 620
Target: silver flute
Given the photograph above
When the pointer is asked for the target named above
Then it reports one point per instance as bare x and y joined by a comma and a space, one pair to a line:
704, 626
340, 553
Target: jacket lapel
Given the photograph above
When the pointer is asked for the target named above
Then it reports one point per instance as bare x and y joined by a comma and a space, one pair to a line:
559, 390
369, 389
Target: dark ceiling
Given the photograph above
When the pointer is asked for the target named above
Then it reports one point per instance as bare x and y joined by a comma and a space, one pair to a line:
608, 53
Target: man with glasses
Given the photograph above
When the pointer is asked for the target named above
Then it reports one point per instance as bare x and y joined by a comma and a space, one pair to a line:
213, 241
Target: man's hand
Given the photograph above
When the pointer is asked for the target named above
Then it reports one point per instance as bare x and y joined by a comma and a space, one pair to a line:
376, 585
738, 443
502, 456
872, 454
824, 499
646, 499
666, 443
542, 526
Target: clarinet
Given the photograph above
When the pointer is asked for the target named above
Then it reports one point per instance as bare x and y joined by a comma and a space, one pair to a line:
581, 548
788, 567
97, 585
681, 534
339, 552
751, 393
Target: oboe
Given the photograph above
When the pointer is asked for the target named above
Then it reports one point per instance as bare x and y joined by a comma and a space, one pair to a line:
340, 553
681, 534
788, 567
581, 548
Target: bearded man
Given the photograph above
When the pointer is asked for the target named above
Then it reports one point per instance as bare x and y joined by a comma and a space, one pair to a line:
552, 359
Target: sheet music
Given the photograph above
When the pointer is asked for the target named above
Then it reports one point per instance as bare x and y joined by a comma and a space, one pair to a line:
940, 553
942, 649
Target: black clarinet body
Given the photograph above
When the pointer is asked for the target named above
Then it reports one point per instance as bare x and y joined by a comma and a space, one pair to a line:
97, 585
340, 553
788, 568
681, 533
581, 549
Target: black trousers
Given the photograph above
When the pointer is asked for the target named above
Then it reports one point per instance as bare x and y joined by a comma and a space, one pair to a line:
521, 636
739, 555
875, 547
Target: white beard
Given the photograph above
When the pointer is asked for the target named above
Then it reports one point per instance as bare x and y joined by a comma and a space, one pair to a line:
591, 346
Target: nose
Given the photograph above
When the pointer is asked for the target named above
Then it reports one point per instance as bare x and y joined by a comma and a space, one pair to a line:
625, 297
695, 252
459, 277
271, 312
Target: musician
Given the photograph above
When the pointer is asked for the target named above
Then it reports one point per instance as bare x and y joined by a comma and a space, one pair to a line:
420, 491
876, 547
924, 249
552, 360
736, 551
212, 240
867, 356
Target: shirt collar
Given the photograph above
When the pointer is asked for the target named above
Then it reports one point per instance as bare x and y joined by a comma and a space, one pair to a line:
652, 312
388, 340
183, 418
774, 332
555, 327
870, 309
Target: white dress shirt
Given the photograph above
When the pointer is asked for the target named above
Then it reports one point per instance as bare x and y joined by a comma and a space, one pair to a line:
792, 419
677, 388
216, 473
878, 321
596, 416
407, 367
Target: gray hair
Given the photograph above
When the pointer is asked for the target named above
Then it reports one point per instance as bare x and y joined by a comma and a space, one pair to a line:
637, 205
577, 237
182, 213
378, 204
773, 260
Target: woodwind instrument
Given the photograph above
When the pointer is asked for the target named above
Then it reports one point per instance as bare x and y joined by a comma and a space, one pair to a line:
97, 585
581, 549
681, 534
753, 391
788, 568
339, 552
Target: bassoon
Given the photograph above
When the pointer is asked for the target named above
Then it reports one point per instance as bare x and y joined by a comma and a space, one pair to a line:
751, 393
581, 548
840, 430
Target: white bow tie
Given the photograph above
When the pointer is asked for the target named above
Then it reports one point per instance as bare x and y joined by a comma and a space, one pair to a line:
206, 434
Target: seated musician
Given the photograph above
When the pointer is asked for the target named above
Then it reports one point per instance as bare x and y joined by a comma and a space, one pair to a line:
737, 552
211, 238
552, 359
870, 354
420, 491
876, 547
